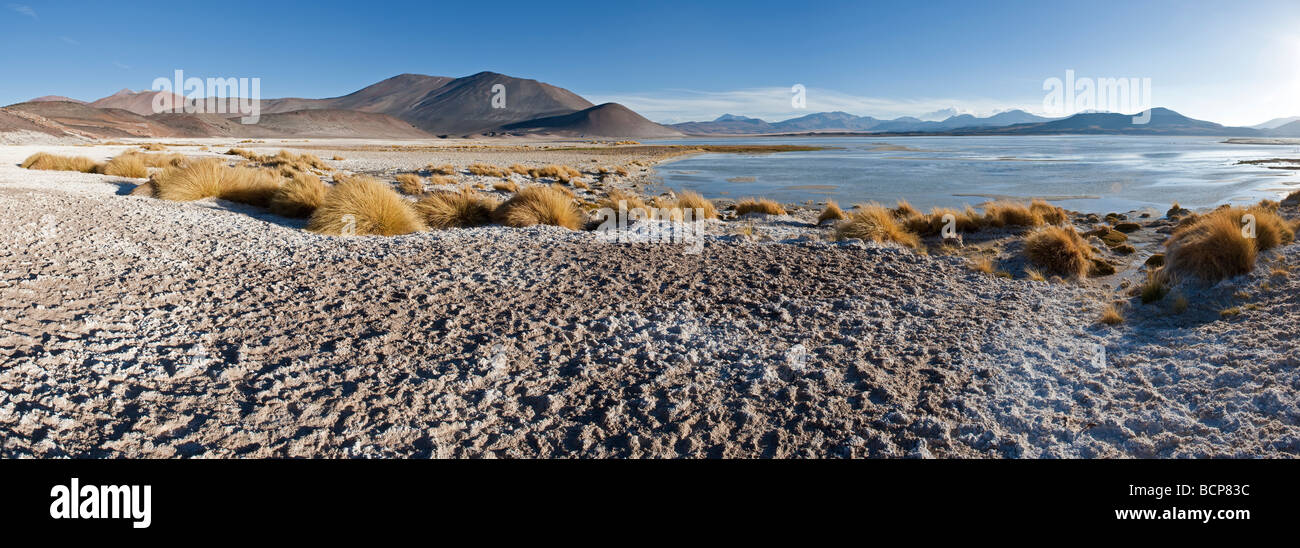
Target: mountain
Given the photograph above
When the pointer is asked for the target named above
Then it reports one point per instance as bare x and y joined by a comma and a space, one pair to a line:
606, 120
1276, 122
730, 124
405, 106
1163, 122
54, 98
1290, 129
113, 123
138, 102
442, 105
827, 121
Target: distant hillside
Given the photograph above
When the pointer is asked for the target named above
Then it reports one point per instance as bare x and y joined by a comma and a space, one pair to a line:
844, 122
1163, 122
607, 120
55, 98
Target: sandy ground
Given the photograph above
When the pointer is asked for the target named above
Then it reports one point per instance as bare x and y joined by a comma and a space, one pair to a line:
134, 327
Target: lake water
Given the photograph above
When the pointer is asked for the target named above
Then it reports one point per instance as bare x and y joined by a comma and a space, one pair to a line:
1084, 173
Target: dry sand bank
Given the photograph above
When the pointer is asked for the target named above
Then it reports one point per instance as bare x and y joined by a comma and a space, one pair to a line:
136, 327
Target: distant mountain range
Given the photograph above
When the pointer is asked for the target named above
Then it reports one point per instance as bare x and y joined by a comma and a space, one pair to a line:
1014, 122
730, 124
405, 106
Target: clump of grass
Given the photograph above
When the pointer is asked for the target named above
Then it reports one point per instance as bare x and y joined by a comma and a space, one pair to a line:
932, 223
982, 264
904, 210
45, 161
463, 208
1111, 315
129, 164
630, 201
761, 205
487, 170
1059, 250
299, 197
701, 207
832, 212
249, 186
338, 158
1179, 305
875, 223
519, 169
444, 169
364, 206
1279, 271
547, 205
505, 186
442, 180
146, 189
153, 147
244, 153
410, 184
1213, 247
212, 179
563, 174
1048, 213
1155, 287
1034, 275
1001, 214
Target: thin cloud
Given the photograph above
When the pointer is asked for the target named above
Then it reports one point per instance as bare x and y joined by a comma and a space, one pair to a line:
69, 40
121, 66
25, 10
773, 104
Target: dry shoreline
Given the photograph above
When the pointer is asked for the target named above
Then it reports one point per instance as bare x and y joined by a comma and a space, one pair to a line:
132, 327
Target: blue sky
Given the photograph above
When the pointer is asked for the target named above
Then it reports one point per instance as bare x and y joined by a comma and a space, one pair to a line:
676, 61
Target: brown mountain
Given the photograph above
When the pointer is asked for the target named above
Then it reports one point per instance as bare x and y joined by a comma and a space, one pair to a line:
404, 106
139, 102
607, 120
55, 98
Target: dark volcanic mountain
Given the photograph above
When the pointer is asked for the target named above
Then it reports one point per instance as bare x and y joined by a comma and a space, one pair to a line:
607, 120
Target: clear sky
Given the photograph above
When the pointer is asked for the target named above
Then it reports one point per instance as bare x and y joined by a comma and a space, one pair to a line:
1230, 62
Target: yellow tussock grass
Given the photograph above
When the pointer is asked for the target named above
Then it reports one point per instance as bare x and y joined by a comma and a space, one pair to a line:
463, 208
299, 197
832, 212
1059, 250
548, 205
759, 205
876, 223
362, 206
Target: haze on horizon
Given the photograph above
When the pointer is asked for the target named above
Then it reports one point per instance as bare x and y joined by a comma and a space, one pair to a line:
679, 61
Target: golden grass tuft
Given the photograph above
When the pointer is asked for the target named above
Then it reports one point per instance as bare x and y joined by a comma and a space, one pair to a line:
445, 169
410, 184
1035, 275
1048, 213
563, 174
463, 208
547, 205
1111, 315
442, 180
905, 210
631, 201
153, 147
146, 189
338, 158
701, 207
519, 169
245, 153
128, 164
875, 223
1213, 247
299, 197
832, 212
982, 264
932, 223
1059, 250
487, 170
361, 206
1000, 214
45, 161
212, 179
760, 205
